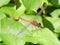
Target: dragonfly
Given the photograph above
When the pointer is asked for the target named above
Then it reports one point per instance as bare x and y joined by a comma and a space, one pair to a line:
33, 22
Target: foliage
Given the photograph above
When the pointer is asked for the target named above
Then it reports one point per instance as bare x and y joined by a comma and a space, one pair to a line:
19, 32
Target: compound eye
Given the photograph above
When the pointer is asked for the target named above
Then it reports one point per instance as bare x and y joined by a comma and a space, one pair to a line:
39, 24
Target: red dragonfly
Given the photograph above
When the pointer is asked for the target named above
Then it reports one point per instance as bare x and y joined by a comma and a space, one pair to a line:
35, 23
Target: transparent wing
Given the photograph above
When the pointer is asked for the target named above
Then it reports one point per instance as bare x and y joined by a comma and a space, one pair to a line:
34, 19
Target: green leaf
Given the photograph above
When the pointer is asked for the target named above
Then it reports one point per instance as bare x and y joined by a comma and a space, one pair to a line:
0, 39
51, 23
57, 30
30, 12
42, 36
55, 13
47, 24
0, 27
54, 2
2, 44
21, 10
45, 1
12, 40
31, 4
10, 10
2, 15
8, 26
9, 30
4, 2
